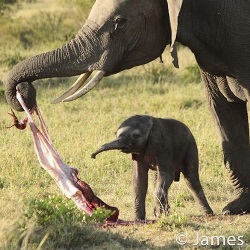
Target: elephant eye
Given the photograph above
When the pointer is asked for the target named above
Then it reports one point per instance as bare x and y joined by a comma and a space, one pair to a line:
119, 22
136, 134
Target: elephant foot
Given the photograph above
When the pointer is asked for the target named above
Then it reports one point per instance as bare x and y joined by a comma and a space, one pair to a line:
240, 205
208, 211
159, 211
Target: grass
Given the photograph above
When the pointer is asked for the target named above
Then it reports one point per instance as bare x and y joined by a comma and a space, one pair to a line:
29, 197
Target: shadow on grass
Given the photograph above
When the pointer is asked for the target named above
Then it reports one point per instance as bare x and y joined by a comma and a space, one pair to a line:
68, 236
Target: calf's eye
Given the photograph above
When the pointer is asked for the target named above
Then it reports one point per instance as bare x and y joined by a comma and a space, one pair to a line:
136, 134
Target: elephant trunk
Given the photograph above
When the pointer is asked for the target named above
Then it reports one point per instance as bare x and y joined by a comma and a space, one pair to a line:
114, 145
72, 59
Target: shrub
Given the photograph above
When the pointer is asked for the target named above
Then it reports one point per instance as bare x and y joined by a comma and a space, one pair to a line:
45, 28
51, 210
55, 209
4, 4
192, 74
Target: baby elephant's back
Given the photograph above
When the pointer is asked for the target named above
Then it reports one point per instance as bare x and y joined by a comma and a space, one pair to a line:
181, 138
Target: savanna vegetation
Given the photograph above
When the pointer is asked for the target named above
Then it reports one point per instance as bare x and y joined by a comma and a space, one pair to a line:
33, 212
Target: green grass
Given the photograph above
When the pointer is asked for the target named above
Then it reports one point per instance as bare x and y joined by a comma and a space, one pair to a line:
34, 214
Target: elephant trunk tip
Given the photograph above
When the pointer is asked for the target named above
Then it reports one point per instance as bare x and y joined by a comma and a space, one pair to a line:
114, 145
93, 156
27, 91
101, 149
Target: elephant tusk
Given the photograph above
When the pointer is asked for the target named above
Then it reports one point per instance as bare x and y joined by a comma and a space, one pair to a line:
90, 85
78, 83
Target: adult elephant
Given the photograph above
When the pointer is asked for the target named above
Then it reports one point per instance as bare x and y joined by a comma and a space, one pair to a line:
120, 34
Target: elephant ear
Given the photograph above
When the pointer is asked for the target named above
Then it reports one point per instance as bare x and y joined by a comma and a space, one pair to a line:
155, 143
148, 122
174, 7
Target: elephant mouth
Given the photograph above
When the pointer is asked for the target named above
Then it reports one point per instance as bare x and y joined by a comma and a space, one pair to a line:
125, 150
75, 91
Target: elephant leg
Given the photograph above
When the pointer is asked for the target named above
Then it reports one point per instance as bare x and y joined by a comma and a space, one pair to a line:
192, 179
232, 121
140, 186
165, 177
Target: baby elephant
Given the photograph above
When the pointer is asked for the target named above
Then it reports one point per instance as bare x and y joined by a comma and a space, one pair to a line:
166, 146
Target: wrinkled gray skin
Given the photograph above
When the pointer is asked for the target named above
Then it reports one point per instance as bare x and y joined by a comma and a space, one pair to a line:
166, 146
120, 34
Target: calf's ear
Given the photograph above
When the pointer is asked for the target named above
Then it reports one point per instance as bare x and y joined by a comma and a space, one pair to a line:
174, 7
155, 138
